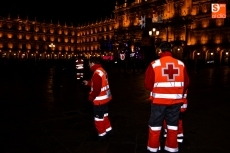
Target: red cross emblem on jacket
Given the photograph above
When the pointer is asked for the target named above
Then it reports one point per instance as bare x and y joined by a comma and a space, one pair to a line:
170, 71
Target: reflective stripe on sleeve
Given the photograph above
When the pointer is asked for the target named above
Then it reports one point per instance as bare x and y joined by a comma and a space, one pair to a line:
180, 135
184, 106
100, 72
180, 140
101, 97
105, 88
185, 96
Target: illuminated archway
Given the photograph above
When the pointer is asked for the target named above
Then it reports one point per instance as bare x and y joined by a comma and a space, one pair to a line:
210, 56
225, 56
196, 54
177, 52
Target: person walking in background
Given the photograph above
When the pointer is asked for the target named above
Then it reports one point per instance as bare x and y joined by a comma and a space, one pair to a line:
100, 96
167, 80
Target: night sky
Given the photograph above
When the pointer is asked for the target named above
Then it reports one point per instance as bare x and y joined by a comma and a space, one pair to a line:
64, 11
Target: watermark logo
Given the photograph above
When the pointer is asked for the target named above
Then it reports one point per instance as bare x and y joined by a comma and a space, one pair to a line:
218, 10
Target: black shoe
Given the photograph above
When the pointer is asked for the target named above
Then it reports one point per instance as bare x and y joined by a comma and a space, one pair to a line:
102, 138
159, 151
110, 133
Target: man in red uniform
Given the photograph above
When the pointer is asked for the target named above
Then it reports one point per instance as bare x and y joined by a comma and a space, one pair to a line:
100, 96
167, 80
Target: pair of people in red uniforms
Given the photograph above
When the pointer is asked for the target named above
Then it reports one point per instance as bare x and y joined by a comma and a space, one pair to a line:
167, 80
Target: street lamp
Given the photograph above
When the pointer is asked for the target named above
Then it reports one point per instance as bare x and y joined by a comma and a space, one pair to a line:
154, 32
157, 33
51, 45
150, 33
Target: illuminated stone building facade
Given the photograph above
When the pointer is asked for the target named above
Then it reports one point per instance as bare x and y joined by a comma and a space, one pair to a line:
209, 38
96, 38
26, 39
187, 24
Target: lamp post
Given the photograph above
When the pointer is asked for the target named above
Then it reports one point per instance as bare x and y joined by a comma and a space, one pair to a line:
52, 46
154, 33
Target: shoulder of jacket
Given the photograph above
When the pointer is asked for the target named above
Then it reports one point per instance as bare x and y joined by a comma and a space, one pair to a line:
156, 63
99, 72
180, 62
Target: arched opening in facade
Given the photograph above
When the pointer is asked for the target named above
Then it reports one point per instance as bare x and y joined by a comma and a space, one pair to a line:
197, 55
177, 52
225, 57
210, 56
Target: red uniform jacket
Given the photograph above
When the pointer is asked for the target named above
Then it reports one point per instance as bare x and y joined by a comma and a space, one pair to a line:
97, 81
150, 75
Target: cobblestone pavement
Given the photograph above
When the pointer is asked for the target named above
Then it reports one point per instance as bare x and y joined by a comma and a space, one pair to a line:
44, 110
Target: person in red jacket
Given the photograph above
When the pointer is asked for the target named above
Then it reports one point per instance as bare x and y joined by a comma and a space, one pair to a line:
100, 96
167, 80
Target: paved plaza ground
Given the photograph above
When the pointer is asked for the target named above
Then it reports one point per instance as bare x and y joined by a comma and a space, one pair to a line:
43, 109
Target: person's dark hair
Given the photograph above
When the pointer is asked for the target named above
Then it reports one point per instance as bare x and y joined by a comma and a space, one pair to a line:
95, 60
165, 46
